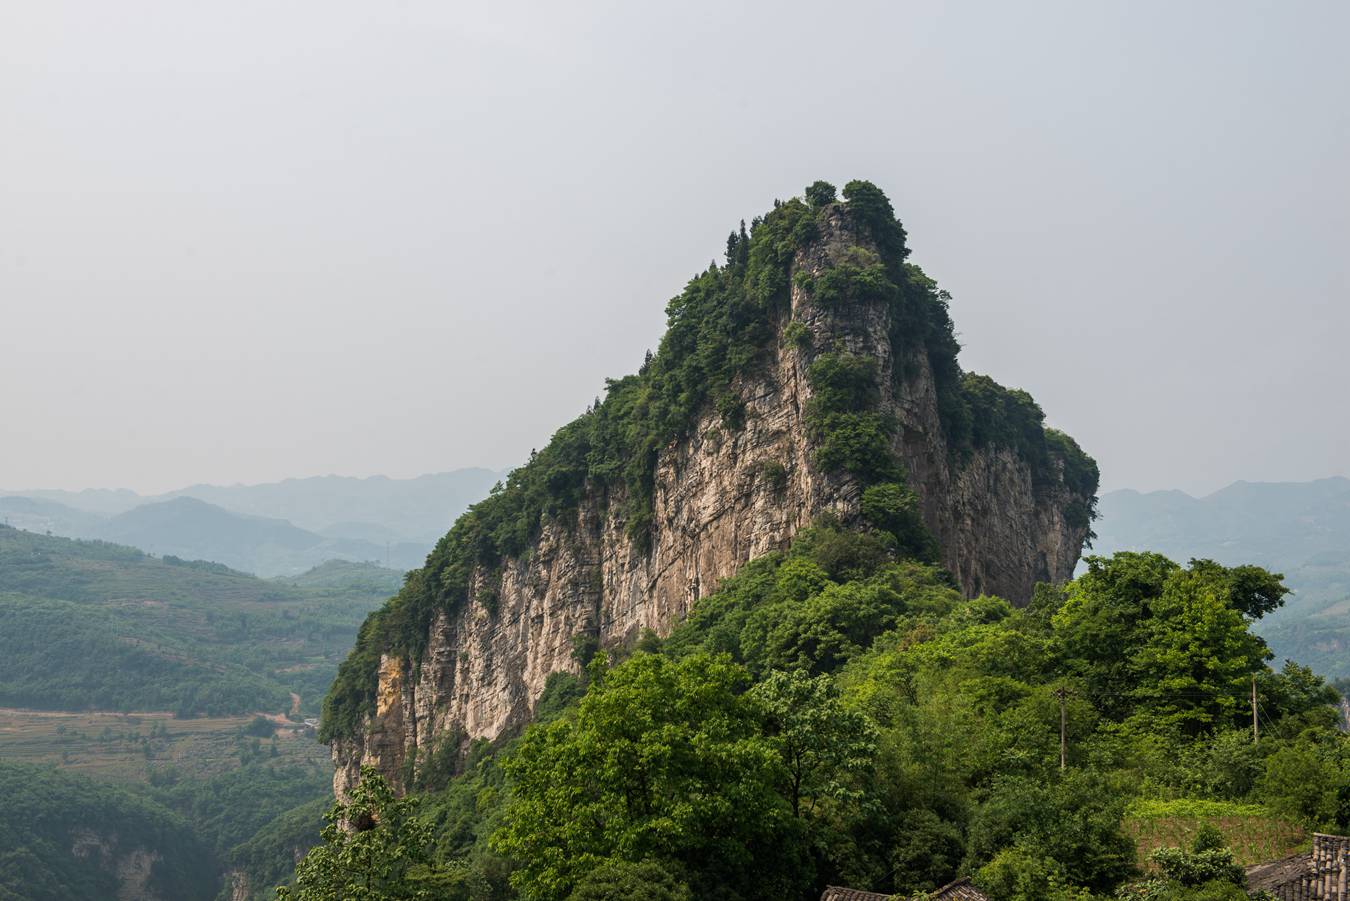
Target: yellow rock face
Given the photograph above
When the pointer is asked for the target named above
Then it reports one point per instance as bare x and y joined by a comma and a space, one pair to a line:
391, 685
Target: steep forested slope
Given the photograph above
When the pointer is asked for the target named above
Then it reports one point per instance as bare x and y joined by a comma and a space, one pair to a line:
839, 714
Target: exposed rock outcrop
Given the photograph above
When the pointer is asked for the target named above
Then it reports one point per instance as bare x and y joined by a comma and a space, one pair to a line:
133, 867
723, 496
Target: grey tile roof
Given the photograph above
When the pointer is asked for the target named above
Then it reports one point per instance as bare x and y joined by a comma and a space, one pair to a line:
960, 890
839, 893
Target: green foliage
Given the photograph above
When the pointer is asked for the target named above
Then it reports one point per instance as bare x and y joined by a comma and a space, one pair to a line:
819, 194
374, 849
823, 746
229, 808
774, 475
267, 859
860, 278
814, 608
561, 690
893, 508
1307, 782
1074, 824
195, 640
1207, 871
260, 727
1197, 867
620, 880
872, 210
62, 655
662, 760
1171, 643
797, 335
1019, 874
48, 813
842, 382
927, 850
1252, 591
851, 435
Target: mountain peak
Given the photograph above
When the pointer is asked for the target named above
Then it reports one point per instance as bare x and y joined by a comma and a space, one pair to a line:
811, 376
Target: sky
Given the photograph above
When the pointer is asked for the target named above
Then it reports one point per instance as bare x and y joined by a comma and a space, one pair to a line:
252, 240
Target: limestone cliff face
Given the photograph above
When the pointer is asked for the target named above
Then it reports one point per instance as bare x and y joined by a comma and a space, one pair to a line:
721, 500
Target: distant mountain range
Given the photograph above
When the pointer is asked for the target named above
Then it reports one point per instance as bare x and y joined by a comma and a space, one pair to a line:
1301, 529
281, 528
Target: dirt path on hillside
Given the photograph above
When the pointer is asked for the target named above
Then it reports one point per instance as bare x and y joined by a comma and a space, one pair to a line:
295, 704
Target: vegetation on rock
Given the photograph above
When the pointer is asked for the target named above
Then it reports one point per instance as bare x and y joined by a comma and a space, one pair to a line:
839, 714
725, 325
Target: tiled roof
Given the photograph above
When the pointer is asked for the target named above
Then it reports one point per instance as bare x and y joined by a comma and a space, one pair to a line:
1275, 873
960, 890
838, 893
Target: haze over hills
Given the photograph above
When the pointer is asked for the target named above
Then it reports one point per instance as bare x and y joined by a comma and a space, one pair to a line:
280, 528
1301, 529
416, 509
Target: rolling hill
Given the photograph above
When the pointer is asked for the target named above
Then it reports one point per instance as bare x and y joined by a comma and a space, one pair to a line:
87, 624
377, 508
1301, 529
196, 530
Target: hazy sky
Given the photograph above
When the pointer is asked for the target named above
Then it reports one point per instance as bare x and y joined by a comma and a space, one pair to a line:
248, 240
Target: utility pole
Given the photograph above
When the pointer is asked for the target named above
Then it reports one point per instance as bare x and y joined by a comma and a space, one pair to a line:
1256, 727
1063, 733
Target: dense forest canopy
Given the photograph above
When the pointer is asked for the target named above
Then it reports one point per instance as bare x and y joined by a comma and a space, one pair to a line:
839, 714
47, 812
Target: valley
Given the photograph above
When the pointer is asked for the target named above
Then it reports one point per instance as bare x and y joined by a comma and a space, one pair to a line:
176, 693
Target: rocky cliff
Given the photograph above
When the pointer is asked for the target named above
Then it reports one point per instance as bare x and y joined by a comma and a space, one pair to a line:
746, 472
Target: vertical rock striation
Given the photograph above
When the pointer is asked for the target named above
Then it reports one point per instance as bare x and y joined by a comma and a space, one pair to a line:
723, 495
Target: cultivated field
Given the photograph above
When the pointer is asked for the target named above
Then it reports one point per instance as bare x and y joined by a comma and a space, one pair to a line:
139, 747
1254, 833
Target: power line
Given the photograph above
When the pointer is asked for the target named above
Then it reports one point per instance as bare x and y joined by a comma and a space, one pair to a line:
1256, 726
